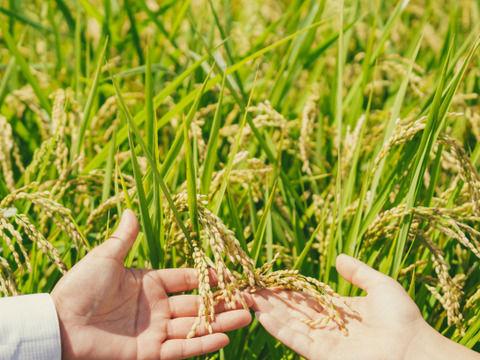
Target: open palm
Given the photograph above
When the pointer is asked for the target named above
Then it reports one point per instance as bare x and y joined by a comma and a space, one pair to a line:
384, 325
107, 311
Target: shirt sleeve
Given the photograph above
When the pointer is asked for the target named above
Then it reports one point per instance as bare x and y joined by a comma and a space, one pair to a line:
29, 328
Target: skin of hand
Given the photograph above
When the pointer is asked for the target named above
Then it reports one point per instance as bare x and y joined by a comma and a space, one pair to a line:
108, 311
386, 324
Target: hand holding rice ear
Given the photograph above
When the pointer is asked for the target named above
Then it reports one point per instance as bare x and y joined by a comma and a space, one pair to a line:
107, 311
386, 324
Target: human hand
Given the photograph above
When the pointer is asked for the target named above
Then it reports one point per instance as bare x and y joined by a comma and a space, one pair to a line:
107, 311
388, 324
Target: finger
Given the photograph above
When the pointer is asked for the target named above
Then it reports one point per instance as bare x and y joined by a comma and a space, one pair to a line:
260, 302
292, 302
184, 279
182, 349
187, 305
180, 327
295, 340
123, 238
358, 273
290, 313
304, 303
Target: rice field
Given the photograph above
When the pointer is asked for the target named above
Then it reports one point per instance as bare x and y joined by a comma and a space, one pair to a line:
259, 138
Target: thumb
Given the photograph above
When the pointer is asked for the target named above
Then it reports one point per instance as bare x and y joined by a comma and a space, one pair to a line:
123, 237
358, 273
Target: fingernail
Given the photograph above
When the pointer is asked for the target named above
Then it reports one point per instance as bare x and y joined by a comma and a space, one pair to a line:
257, 314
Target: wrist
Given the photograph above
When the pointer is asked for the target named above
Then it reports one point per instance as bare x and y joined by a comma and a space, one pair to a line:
430, 344
61, 324
420, 335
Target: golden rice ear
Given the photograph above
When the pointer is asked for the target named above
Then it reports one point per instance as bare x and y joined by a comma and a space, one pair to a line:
467, 171
8, 285
451, 223
51, 209
54, 211
37, 237
223, 244
8, 149
317, 290
5, 225
206, 310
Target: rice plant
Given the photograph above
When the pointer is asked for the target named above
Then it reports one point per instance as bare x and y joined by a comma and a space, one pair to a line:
257, 138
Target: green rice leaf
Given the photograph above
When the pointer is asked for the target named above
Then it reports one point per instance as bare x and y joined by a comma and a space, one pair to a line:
89, 105
154, 250
151, 162
25, 68
211, 155
260, 233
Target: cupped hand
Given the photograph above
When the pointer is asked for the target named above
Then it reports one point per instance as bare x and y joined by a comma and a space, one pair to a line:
384, 326
108, 311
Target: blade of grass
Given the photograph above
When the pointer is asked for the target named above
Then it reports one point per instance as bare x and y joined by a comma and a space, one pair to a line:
300, 46
150, 161
107, 184
4, 83
154, 250
117, 191
66, 14
134, 31
128, 201
152, 144
8, 72
269, 233
210, 157
89, 106
236, 220
77, 49
233, 153
57, 37
320, 49
435, 123
180, 16
308, 245
220, 63
191, 183
399, 99
228, 49
386, 31
158, 99
179, 138
26, 20
91, 10
472, 335
150, 130
252, 209
260, 233
140, 117
25, 68
141, 70
336, 233
80, 232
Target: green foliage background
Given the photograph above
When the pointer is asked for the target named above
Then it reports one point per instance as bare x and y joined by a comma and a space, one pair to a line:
333, 84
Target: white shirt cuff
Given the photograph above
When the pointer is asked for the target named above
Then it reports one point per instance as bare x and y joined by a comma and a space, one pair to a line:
29, 328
